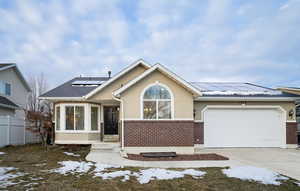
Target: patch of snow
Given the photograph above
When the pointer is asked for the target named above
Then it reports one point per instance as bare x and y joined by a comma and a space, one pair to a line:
115, 174
2, 153
145, 176
298, 183
42, 164
245, 93
72, 154
101, 167
6, 178
73, 167
253, 173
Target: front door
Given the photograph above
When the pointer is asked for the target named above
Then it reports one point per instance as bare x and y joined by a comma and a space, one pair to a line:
111, 120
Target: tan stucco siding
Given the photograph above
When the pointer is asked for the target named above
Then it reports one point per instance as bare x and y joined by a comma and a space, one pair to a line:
106, 93
200, 105
183, 100
77, 136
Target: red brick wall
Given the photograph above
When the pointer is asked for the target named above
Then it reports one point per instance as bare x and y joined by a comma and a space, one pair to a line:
158, 133
291, 133
199, 133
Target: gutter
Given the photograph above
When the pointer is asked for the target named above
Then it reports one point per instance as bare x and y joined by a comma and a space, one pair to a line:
8, 106
246, 99
122, 119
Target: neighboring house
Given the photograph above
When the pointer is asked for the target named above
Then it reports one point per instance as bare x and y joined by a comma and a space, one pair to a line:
14, 91
294, 90
149, 108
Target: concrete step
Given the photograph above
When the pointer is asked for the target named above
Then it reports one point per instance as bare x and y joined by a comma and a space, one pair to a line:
111, 138
102, 146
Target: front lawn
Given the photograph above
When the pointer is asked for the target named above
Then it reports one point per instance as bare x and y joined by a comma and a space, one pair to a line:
32, 167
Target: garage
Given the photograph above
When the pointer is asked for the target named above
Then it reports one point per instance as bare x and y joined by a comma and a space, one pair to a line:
244, 127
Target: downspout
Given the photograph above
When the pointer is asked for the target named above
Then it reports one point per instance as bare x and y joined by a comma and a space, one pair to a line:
122, 119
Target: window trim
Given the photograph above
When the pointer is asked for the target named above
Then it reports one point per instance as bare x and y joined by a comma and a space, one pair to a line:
57, 106
156, 100
98, 122
74, 124
87, 118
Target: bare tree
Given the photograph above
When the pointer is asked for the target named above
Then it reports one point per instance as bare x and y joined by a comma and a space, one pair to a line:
39, 112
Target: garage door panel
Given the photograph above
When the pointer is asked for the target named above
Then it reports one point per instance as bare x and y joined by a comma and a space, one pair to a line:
243, 128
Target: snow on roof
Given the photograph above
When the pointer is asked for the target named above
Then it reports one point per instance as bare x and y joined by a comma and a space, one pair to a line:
233, 88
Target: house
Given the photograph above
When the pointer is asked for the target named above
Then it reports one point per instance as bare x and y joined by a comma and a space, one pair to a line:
150, 109
294, 90
14, 91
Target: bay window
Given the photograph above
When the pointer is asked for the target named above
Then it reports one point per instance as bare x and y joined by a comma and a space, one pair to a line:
157, 103
77, 117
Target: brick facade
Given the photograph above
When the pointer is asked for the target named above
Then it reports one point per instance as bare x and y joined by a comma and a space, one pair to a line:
158, 133
199, 133
291, 133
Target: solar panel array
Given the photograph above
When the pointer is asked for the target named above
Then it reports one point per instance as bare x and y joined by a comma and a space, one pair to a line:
233, 88
87, 82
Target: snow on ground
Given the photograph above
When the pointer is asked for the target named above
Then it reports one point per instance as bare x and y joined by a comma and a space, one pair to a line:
145, 176
298, 183
73, 167
7, 177
2, 153
72, 154
115, 174
253, 173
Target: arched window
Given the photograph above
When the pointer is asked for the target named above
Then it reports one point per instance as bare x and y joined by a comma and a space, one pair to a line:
157, 103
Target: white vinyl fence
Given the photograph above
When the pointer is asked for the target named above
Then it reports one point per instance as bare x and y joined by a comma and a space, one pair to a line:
13, 131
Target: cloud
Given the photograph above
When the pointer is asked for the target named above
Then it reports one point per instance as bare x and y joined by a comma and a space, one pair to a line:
200, 40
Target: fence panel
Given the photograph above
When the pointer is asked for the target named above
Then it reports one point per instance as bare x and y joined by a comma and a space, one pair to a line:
4, 138
14, 131
17, 131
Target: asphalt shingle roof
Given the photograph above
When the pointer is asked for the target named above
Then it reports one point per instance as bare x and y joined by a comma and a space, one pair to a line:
5, 101
69, 90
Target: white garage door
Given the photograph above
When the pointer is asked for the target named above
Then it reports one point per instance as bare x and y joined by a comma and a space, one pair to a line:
241, 127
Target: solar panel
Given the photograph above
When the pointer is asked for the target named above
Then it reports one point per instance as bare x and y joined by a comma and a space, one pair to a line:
87, 82
224, 88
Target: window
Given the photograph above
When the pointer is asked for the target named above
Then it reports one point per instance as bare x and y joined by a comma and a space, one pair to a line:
74, 118
94, 118
57, 119
5, 88
157, 103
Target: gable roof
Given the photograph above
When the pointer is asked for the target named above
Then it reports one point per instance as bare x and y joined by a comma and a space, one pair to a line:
164, 71
69, 90
4, 102
5, 66
117, 76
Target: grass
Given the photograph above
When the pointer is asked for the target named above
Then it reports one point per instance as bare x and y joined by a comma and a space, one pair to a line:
35, 161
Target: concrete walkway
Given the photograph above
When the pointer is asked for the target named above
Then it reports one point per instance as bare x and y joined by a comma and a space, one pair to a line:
284, 161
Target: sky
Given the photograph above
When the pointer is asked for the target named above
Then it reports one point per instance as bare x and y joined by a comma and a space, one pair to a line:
209, 40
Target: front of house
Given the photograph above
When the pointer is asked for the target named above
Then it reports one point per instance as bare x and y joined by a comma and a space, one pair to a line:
151, 109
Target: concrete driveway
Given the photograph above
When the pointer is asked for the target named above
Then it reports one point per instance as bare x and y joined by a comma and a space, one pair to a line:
284, 161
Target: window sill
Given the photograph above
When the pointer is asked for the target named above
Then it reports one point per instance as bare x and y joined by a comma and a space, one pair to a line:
71, 131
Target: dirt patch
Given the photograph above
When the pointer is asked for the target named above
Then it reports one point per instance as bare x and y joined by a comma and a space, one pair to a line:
195, 157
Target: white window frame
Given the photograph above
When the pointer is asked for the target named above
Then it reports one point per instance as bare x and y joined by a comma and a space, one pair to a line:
156, 100
57, 106
84, 122
99, 123
87, 118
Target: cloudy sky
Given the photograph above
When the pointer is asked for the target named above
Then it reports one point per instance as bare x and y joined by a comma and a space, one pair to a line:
215, 40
